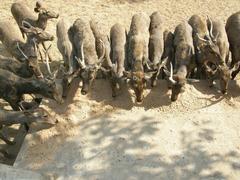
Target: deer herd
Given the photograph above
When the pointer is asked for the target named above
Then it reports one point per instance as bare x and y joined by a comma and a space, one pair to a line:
200, 48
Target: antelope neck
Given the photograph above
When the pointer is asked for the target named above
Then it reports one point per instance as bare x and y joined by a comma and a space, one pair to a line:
28, 86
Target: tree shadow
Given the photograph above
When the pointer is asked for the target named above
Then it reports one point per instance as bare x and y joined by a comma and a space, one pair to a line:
125, 149
203, 87
216, 95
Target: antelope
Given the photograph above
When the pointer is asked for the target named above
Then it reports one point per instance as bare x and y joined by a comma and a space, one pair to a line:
85, 52
184, 58
22, 12
101, 37
23, 51
222, 71
118, 46
138, 39
156, 43
64, 45
233, 30
14, 87
168, 46
206, 50
23, 69
168, 52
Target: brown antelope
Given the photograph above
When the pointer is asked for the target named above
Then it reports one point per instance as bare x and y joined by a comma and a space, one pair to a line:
233, 30
138, 40
23, 51
64, 45
222, 71
205, 48
21, 12
118, 47
156, 43
101, 37
85, 52
184, 58
14, 87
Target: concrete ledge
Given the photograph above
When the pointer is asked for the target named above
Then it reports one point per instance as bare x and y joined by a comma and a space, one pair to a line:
11, 173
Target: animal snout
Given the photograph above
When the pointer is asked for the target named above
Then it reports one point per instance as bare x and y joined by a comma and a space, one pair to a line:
224, 91
174, 98
139, 99
84, 92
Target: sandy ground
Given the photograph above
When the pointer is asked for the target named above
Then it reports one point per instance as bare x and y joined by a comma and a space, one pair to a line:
98, 137
194, 138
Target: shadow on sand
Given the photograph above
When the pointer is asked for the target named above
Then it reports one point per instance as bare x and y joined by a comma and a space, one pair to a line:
118, 158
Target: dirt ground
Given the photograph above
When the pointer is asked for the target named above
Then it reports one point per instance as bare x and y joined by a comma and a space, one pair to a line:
97, 137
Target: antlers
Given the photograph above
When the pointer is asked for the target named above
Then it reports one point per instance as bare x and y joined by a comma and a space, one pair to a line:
212, 38
171, 74
81, 61
25, 56
47, 60
211, 30
101, 59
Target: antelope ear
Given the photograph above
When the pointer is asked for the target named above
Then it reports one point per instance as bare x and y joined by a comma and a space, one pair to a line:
148, 75
236, 66
127, 74
104, 70
48, 80
38, 6
36, 9
149, 65
54, 76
